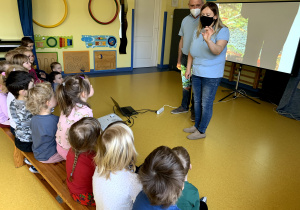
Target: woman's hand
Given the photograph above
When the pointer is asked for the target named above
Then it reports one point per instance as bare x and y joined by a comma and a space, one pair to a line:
208, 32
188, 73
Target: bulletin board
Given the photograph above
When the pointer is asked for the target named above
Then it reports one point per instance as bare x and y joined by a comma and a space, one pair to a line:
45, 59
105, 60
76, 61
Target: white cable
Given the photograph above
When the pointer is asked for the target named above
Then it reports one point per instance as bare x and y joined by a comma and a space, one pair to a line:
170, 106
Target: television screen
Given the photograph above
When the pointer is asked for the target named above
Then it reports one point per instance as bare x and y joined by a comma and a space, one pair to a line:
264, 34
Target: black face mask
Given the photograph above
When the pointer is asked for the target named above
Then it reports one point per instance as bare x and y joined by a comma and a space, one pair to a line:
206, 21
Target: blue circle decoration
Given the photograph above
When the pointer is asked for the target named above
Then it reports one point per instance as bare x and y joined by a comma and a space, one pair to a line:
112, 41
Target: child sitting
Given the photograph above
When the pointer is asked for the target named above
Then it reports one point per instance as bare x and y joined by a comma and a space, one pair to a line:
162, 178
18, 83
189, 198
55, 66
72, 98
115, 185
4, 119
11, 97
80, 165
55, 78
23, 60
27, 42
41, 100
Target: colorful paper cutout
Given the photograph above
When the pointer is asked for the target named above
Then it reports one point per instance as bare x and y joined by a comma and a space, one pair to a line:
53, 41
99, 41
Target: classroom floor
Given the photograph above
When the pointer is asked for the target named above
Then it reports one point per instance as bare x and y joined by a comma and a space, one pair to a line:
249, 159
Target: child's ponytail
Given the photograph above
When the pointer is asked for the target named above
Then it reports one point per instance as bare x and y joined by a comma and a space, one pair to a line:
69, 92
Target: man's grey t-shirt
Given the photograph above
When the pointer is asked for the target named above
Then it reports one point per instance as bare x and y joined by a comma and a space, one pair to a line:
188, 25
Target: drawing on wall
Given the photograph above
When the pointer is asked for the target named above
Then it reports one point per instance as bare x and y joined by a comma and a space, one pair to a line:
76, 61
105, 60
99, 41
53, 41
45, 59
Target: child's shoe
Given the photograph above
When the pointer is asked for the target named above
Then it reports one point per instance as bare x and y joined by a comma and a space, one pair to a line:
27, 161
32, 169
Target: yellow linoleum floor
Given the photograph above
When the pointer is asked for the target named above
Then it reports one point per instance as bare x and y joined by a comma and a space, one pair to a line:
249, 159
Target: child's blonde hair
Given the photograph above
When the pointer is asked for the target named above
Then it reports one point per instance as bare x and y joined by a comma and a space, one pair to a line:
19, 59
115, 150
83, 136
69, 92
15, 67
38, 97
2, 82
4, 65
10, 54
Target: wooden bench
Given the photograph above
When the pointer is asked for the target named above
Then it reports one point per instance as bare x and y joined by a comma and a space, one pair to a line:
52, 176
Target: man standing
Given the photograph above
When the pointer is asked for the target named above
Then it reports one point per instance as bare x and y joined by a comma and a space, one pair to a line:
188, 26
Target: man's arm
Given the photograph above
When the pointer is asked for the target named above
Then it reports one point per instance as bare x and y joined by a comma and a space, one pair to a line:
179, 53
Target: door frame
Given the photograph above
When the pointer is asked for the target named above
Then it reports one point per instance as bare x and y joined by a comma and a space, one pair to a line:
157, 20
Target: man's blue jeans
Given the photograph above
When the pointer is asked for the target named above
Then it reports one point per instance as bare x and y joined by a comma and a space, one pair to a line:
186, 86
204, 95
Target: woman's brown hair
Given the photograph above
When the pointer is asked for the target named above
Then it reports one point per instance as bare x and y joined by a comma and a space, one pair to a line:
218, 24
184, 157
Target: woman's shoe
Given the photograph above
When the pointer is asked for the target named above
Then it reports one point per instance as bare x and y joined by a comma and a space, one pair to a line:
190, 130
196, 135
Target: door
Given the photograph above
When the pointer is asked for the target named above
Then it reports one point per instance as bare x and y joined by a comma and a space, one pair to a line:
146, 28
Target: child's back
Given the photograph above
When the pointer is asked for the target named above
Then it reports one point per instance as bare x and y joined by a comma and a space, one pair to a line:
162, 178
41, 100
80, 164
72, 96
115, 185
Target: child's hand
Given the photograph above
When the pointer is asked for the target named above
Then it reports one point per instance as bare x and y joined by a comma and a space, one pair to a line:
43, 75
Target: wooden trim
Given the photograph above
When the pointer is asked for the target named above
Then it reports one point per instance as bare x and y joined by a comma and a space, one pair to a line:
257, 77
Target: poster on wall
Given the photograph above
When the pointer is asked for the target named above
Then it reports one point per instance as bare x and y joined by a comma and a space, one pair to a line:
53, 41
99, 41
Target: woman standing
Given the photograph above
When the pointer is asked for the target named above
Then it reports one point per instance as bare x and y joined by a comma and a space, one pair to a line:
207, 54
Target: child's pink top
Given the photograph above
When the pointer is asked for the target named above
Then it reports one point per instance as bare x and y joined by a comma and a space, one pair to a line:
3, 109
64, 123
35, 77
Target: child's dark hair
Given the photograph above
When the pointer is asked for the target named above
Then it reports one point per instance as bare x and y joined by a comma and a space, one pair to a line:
184, 157
18, 80
83, 137
25, 41
19, 59
162, 177
52, 76
69, 92
53, 64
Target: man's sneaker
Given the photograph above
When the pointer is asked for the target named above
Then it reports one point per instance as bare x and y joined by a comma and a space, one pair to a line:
27, 161
193, 116
204, 199
33, 170
179, 110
